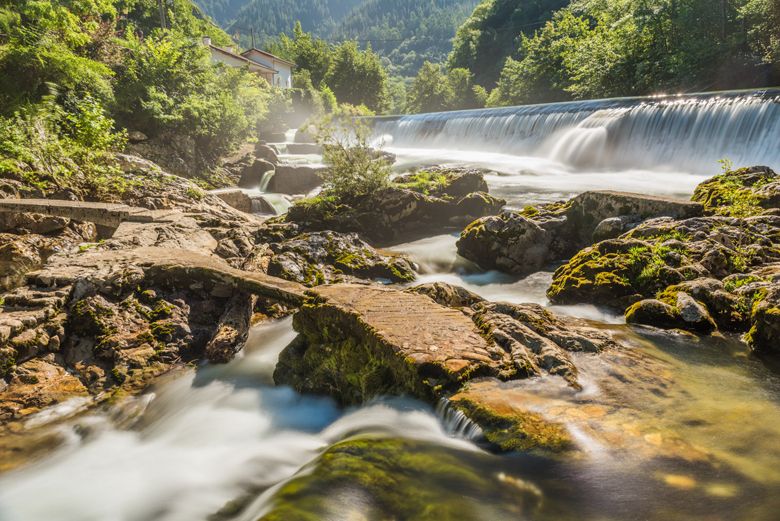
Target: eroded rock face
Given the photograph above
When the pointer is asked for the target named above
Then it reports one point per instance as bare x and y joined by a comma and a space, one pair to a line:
329, 257
253, 175
525, 242
360, 342
394, 214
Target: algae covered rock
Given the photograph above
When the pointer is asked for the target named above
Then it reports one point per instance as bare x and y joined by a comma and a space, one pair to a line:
441, 181
664, 252
403, 479
356, 343
330, 257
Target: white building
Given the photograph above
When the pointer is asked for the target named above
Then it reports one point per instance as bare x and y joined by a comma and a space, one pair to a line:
284, 69
274, 70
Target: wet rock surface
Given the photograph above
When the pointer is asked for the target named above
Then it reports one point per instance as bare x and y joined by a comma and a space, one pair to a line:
699, 274
360, 342
386, 475
525, 242
328, 257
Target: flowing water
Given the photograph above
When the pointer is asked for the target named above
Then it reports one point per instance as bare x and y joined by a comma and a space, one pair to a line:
671, 428
664, 145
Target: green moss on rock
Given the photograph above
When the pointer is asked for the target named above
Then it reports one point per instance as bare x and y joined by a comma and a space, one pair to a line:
737, 193
401, 479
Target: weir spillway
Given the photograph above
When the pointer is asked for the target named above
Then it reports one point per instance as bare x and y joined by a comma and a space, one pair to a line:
683, 133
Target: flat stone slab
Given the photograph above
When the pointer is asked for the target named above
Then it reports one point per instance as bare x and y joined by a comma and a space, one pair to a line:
106, 214
417, 327
171, 265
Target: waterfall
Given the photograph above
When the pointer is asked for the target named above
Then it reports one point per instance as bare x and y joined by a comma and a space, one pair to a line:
456, 423
684, 133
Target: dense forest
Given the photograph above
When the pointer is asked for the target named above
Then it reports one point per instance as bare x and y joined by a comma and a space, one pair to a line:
405, 32
599, 48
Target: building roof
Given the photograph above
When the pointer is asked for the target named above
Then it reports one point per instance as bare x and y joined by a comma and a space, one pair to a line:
242, 58
266, 53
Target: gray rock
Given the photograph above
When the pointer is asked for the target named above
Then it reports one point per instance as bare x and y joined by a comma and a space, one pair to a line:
253, 175
295, 179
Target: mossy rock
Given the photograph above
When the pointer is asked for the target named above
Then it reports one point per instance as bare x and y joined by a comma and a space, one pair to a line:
511, 429
740, 193
402, 479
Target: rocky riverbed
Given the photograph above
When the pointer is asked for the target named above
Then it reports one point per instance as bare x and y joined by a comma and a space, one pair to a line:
89, 325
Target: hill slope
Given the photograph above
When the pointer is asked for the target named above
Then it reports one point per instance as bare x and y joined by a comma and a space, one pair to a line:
490, 35
407, 32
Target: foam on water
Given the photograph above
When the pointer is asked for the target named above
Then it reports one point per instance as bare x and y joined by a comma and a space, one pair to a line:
203, 440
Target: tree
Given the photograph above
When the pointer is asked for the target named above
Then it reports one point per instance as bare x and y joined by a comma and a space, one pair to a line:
430, 91
357, 77
435, 90
307, 52
355, 170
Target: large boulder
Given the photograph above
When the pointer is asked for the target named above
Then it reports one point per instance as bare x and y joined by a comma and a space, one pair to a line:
267, 153
360, 342
255, 174
740, 193
295, 179
523, 242
393, 215
235, 198
442, 181
329, 257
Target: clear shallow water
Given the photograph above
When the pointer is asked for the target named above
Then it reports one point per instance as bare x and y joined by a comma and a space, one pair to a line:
671, 429
199, 441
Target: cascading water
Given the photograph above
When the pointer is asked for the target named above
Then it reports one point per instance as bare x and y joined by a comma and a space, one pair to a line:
683, 133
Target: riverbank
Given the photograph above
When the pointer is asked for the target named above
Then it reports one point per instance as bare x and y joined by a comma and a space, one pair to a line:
522, 409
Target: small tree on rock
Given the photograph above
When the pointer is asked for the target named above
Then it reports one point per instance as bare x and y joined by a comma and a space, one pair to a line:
355, 168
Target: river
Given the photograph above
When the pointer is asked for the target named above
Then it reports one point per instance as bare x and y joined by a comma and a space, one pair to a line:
675, 428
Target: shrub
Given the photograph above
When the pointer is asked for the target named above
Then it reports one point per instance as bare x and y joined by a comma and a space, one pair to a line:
355, 169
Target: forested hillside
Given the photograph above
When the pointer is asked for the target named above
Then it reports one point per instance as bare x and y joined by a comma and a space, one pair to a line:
492, 34
269, 18
407, 32
222, 11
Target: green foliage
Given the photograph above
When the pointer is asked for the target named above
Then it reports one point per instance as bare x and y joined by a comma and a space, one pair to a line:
490, 35
50, 147
358, 77
594, 49
168, 86
355, 170
435, 90
406, 32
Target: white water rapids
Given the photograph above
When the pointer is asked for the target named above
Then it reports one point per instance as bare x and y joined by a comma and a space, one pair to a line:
663, 146
203, 440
